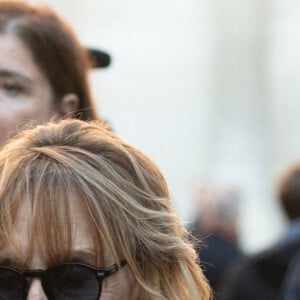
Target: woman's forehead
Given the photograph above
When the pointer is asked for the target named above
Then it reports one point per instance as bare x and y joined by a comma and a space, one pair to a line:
16, 57
26, 237
75, 220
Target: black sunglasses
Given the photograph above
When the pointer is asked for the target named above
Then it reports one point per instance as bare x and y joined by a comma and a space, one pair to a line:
66, 281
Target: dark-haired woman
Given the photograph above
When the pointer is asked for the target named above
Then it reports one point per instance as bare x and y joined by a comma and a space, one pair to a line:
43, 68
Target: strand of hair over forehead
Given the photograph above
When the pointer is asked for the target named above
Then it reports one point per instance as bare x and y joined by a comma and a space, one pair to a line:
68, 156
123, 200
71, 158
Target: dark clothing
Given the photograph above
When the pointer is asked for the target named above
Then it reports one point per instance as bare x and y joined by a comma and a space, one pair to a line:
291, 284
215, 253
260, 276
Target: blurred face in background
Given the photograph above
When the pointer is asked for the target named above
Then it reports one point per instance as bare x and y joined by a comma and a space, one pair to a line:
25, 92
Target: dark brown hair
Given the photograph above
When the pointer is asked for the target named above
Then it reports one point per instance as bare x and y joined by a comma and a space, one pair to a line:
54, 48
289, 191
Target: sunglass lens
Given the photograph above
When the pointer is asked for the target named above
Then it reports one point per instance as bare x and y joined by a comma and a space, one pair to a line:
71, 282
12, 285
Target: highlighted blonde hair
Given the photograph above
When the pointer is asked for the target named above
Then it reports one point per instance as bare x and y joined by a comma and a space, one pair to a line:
122, 196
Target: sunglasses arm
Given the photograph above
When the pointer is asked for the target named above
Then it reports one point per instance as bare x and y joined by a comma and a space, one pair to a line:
105, 272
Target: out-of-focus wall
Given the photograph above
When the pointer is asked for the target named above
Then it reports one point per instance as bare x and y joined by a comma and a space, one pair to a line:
283, 63
208, 88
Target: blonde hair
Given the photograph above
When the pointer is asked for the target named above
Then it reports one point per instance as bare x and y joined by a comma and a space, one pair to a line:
122, 195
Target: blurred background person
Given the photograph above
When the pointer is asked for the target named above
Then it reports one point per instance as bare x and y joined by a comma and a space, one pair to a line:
43, 68
291, 283
263, 276
215, 226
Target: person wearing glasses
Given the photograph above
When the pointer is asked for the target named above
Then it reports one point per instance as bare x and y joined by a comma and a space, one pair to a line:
43, 68
84, 215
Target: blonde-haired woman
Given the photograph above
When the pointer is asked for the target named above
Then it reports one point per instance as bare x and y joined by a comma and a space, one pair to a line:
83, 215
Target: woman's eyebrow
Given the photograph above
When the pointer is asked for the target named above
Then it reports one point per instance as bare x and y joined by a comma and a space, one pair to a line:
16, 263
86, 255
10, 73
